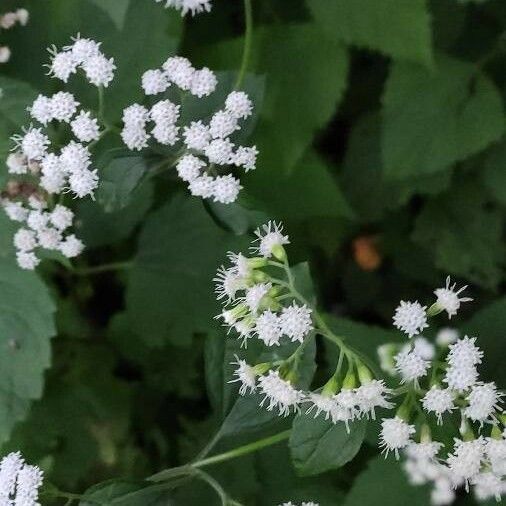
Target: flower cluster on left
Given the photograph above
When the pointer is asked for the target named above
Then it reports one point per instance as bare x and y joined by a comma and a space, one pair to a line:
49, 161
19, 482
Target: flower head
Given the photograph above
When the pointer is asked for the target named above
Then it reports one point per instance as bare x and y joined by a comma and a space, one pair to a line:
448, 298
438, 401
279, 393
395, 434
411, 318
269, 239
246, 376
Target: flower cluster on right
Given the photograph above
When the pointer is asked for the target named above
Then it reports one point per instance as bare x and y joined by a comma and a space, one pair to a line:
442, 387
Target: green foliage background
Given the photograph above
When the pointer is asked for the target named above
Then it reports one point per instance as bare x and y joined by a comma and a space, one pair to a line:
381, 119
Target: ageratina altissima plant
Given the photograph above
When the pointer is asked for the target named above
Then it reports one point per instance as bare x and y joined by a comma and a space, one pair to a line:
204, 149
49, 168
261, 302
10, 20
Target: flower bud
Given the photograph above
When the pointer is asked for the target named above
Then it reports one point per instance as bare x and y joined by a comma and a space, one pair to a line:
364, 374
279, 253
350, 380
331, 387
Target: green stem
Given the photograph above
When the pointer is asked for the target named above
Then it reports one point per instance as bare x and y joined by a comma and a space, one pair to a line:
213, 484
248, 16
114, 266
101, 103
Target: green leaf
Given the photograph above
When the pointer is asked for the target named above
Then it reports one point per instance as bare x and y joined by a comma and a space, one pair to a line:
119, 177
384, 482
465, 240
396, 28
116, 9
26, 327
16, 96
433, 119
169, 294
494, 172
318, 445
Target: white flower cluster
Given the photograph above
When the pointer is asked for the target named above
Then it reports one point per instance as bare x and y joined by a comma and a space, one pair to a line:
205, 147
7, 21
86, 55
185, 6
19, 482
49, 172
454, 385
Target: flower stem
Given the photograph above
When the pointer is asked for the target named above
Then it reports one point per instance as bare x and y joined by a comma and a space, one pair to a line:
96, 269
248, 17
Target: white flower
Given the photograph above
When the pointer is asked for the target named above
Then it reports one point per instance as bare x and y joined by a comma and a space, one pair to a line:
62, 65
255, 294
372, 395
446, 336
222, 125
49, 238
411, 366
442, 493
5, 54
219, 151
180, 71
227, 284
246, 376
488, 485
483, 400
42, 109
495, 450
136, 115
37, 202
202, 186
166, 133
461, 377
27, 489
85, 128
63, 106
15, 211
465, 462
448, 298
268, 328
83, 182
33, 143
203, 82
424, 348
27, 260
245, 157
74, 158
347, 400
164, 111
395, 435
154, 82
438, 401
386, 353
239, 105
185, 6
269, 237
411, 318
240, 264
464, 352
279, 394
37, 220
99, 70
25, 240
53, 177
10, 466
226, 189
23, 15
61, 217
196, 136
189, 167
423, 451
296, 321
135, 137
83, 49
325, 404
71, 246
16, 163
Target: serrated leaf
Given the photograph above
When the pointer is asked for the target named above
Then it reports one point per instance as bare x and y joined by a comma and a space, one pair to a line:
465, 240
384, 482
434, 119
318, 445
396, 28
26, 327
169, 294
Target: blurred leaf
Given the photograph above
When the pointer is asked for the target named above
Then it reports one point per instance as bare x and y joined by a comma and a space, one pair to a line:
494, 172
26, 326
463, 233
318, 445
384, 482
169, 294
117, 10
434, 119
396, 28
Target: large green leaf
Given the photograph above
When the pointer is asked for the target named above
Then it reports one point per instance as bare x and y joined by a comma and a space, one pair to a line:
397, 28
432, 119
26, 327
318, 445
384, 482
169, 294
117, 10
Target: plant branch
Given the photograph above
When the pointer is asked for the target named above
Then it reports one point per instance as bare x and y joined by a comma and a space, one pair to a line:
248, 35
